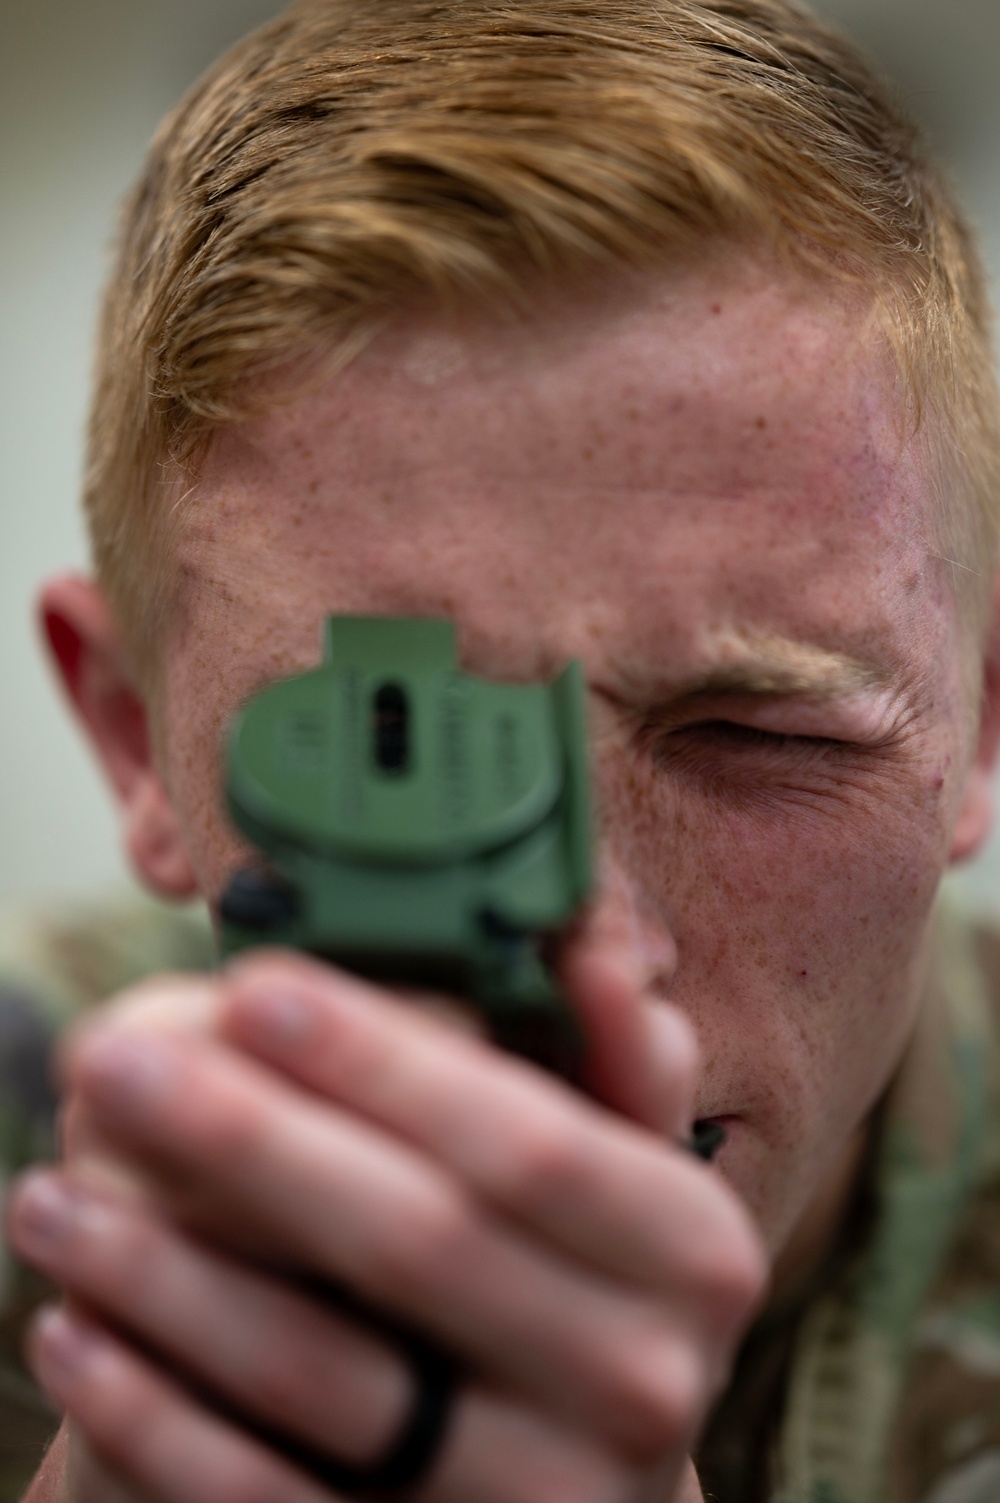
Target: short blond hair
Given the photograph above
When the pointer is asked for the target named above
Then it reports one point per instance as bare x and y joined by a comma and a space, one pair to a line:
351, 156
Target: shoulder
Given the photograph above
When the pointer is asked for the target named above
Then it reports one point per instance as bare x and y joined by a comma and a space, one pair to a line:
947, 1438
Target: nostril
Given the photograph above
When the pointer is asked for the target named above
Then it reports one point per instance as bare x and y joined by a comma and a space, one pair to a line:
707, 1137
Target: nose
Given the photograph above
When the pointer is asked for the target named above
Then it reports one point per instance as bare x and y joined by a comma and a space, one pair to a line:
624, 918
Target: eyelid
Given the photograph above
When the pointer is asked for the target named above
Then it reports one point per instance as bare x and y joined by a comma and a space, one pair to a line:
740, 730
861, 719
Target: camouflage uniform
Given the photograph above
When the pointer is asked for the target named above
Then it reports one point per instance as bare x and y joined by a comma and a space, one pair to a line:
879, 1385
882, 1385
52, 967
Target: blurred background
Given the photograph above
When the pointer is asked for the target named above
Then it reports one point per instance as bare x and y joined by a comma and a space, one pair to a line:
83, 84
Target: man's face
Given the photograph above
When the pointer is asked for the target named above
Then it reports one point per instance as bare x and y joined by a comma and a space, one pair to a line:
701, 488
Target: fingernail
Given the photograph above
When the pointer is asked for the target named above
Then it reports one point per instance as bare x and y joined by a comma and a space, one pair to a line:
45, 1211
63, 1349
125, 1071
275, 1019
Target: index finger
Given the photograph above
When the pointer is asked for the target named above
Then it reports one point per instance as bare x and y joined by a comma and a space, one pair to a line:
596, 1185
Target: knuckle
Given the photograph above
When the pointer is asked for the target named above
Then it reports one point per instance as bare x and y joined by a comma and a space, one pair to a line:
657, 1400
431, 1242
733, 1274
123, 1262
227, 1128
541, 1165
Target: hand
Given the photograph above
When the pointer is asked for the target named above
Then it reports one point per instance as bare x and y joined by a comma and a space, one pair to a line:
72, 1473
591, 1277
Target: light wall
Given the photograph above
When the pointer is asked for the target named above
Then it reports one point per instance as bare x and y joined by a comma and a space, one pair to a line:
82, 85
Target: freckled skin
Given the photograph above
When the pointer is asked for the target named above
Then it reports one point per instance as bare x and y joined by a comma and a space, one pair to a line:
633, 479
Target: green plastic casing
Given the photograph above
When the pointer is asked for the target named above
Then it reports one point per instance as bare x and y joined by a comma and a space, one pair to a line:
423, 826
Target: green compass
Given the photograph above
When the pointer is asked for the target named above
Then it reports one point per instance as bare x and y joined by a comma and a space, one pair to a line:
420, 826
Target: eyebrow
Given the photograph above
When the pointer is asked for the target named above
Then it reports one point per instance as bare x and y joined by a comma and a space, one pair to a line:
762, 668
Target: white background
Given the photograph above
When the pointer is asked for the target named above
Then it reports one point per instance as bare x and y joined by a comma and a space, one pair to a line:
82, 85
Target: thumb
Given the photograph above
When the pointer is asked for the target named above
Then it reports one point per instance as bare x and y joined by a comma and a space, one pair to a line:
678, 1485
690, 1488
641, 1054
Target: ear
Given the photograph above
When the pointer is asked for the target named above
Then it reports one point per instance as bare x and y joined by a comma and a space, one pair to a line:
976, 816
86, 649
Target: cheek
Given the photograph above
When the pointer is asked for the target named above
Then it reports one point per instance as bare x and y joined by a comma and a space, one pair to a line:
801, 948
799, 934
197, 794
222, 649
194, 758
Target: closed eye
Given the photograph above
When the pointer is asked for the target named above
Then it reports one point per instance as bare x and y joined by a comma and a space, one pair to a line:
751, 737
808, 753
728, 751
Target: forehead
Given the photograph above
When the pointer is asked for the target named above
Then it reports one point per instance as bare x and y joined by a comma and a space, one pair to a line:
719, 450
